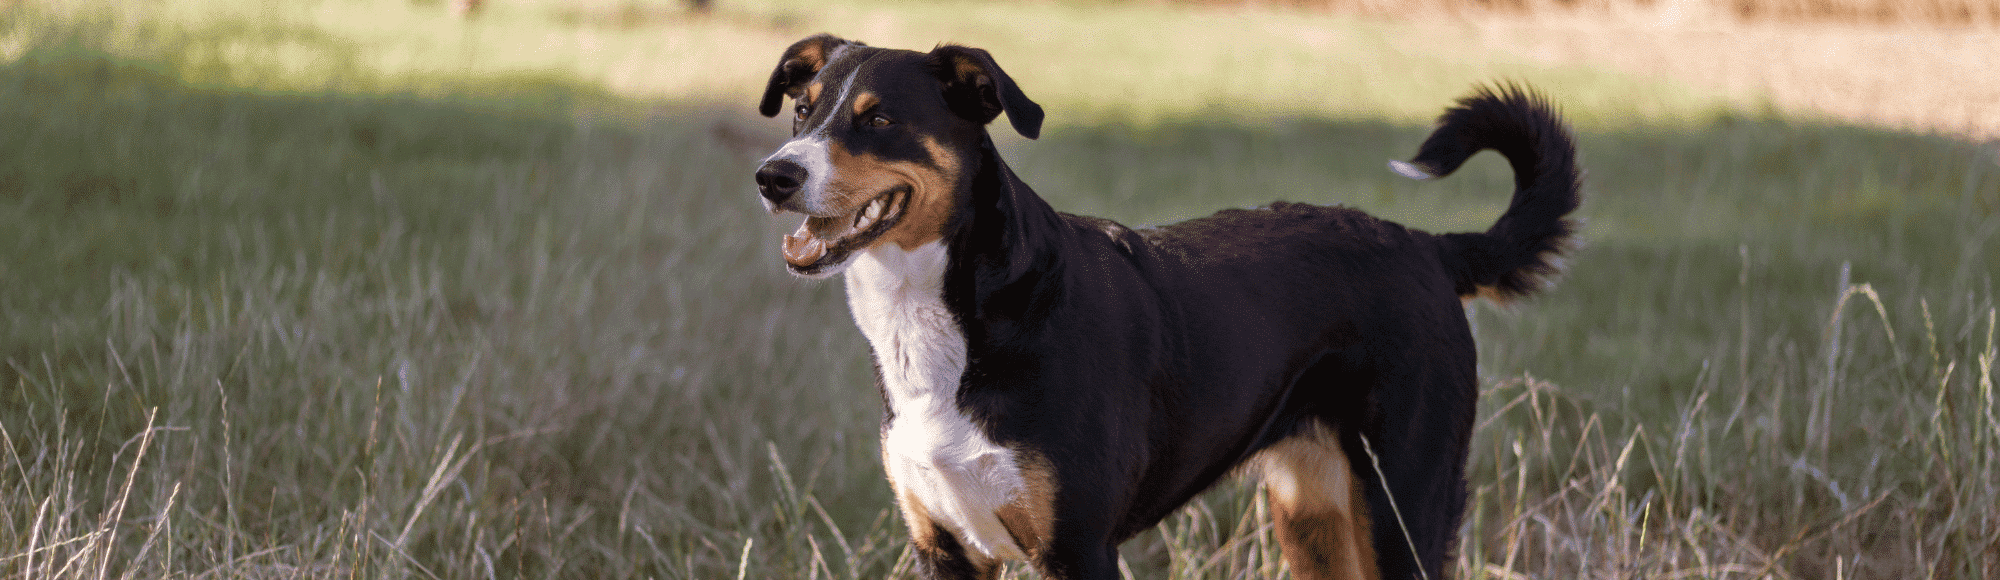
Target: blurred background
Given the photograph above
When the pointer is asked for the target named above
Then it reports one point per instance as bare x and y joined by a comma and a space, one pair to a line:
456, 289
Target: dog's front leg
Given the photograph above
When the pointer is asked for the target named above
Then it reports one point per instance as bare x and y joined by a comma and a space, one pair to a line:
941, 557
1081, 561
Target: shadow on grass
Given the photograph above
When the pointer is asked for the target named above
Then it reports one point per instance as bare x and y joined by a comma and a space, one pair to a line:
581, 288
113, 165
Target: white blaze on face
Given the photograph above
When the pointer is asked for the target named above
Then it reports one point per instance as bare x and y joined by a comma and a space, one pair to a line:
812, 150
809, 148
809, 151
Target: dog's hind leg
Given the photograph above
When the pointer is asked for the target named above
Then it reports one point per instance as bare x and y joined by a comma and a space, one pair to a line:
1410, 451
1318, 507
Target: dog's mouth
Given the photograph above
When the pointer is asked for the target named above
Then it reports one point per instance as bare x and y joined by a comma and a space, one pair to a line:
825, 241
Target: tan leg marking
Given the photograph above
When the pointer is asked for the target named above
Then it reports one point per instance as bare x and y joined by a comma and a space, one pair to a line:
1318, 508
923, 532
1030, 519
924, 535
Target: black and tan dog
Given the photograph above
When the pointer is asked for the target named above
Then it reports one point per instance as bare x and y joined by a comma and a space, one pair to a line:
1057, 383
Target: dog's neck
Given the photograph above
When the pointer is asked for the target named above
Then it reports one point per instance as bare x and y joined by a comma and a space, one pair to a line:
919, 307
897, 297
1001, 246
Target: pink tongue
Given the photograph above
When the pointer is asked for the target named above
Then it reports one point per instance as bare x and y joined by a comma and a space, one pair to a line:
802, 248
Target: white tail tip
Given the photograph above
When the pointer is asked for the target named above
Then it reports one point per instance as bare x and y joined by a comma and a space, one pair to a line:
1410, 170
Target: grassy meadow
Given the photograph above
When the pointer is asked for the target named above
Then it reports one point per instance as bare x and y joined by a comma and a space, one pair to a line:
356, 289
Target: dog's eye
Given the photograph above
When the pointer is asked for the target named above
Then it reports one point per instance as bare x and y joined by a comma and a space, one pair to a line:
879, 121
802, 111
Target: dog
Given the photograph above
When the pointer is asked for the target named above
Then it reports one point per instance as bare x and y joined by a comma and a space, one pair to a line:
1055, 384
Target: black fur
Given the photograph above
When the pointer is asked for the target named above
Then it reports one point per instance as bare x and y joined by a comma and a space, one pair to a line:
1517, 255
801, 61
1130, 340
986, 91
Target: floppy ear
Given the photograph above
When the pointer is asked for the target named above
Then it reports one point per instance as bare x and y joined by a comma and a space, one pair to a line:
800, 63
976, 89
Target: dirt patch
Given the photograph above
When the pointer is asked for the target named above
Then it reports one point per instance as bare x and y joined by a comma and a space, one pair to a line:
1915, 78
1925, 12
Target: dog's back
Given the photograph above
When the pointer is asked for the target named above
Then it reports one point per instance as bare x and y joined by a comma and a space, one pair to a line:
1336, 334
1398, 381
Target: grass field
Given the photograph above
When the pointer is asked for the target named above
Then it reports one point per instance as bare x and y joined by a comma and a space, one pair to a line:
354, 289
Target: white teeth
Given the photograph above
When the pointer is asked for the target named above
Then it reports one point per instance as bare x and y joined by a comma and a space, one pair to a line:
874, 210
869, 214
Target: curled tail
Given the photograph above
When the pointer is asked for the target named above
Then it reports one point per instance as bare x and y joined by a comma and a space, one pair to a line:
1523, 250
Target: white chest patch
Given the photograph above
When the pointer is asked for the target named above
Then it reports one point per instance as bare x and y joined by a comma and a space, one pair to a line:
931, 450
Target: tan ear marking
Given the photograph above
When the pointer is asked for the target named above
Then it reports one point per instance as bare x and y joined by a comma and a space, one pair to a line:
967, 68
814, 54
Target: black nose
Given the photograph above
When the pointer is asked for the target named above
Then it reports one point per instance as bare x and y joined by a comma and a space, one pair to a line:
779, 180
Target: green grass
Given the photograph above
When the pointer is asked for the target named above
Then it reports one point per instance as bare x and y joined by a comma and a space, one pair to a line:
354, 289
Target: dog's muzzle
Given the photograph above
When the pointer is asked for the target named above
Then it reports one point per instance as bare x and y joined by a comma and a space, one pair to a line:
779, 180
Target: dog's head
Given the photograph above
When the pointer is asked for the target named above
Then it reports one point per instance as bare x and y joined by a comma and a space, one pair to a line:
882, 141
